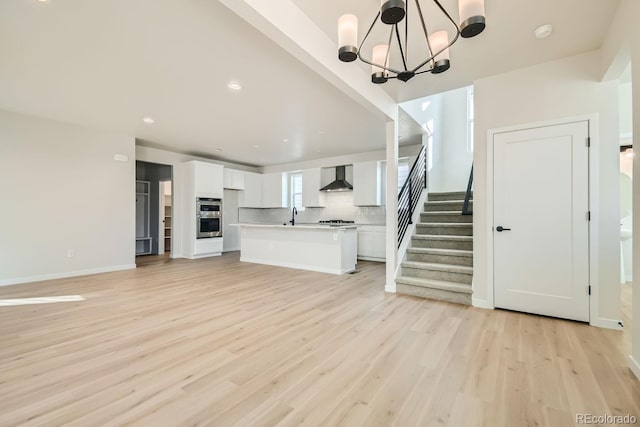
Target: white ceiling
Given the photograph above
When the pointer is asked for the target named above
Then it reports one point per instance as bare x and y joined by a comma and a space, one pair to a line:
108, 64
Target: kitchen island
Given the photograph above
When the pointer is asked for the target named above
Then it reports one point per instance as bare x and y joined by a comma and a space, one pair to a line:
322, 248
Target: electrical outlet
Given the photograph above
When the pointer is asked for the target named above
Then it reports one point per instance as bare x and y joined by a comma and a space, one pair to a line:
71, 253
335, 236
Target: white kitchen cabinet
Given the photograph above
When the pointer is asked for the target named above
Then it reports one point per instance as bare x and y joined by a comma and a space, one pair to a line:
251, 197
233, 179
312, 197
206, 179
200, 179
372, 242
274, 190
203, 248
367, 183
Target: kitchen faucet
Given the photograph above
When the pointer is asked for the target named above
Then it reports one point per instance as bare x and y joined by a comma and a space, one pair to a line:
294, 212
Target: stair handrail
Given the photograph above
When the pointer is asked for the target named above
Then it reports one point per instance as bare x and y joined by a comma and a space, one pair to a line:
467, 196
410, 193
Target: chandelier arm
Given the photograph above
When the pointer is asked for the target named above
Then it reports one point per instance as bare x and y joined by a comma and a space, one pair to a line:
368, 32
455, 39
424, 71
406, 32
366, 61
426, 36
455, 24
392, 70
404, 60
386, 59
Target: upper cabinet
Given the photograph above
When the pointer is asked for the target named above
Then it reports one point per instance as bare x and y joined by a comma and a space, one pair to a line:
312, 197
367, 184
233, 179
274, 190
251, 197
206, 178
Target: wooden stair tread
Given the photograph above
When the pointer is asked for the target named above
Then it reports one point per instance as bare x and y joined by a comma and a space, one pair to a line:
442, 237
445, 224
437, 251
451, 268
435, 284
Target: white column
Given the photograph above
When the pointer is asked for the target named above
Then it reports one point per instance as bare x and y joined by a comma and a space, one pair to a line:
635, 303
392, 204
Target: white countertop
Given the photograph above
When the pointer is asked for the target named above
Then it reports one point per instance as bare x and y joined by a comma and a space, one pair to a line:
300, 226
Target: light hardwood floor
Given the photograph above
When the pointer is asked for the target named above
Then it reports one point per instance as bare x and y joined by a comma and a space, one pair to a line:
219, 342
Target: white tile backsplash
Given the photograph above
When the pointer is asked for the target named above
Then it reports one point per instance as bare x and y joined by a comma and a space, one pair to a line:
339, 206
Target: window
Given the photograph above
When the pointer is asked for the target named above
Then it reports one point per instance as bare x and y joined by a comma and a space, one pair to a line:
470, 115
295, 190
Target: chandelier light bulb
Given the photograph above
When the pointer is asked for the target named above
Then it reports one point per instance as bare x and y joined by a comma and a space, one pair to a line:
380, 57
439, 41
472, 19
348, 38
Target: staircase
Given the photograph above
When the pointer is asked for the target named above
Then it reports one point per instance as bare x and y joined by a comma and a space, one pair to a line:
439, 261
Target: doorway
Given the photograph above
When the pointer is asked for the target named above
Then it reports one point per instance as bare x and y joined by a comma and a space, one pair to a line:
541, 220
165, 215
154, 219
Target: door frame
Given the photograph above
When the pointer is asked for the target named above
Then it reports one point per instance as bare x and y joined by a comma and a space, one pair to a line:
592, 124
161, 205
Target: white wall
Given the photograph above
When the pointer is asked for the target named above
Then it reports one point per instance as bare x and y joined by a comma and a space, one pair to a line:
457, 157
410, 151
626, 113
445, 115
61, 189
554, 90
621, 46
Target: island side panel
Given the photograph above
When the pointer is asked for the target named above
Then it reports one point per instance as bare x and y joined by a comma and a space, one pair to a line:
303, 248
349, 249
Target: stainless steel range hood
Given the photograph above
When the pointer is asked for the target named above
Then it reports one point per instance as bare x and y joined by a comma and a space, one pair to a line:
340, 184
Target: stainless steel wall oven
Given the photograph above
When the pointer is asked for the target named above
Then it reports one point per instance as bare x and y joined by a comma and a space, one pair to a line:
208, 218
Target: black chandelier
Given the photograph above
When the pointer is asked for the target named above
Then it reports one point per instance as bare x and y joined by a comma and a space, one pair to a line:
392, 13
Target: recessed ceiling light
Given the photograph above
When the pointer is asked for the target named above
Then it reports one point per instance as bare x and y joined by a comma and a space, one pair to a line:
42, 1
234, 86
218, 149
148, 120
285, 140
256, 146
321, 132
543, 31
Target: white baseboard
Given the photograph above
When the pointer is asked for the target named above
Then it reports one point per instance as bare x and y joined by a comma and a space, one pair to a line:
63, 275
634, 366
606, 323
390, 288
481, 303
367, 258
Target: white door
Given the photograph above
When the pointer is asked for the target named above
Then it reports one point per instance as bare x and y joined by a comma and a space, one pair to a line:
541, 202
